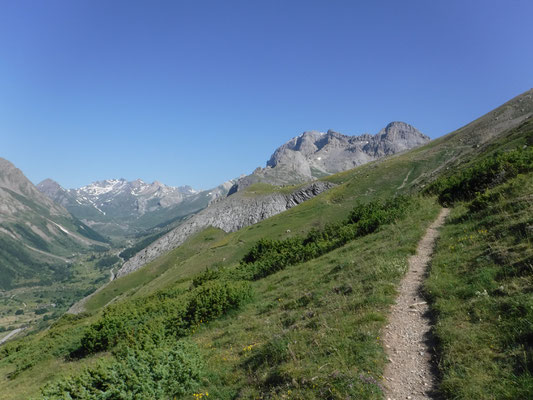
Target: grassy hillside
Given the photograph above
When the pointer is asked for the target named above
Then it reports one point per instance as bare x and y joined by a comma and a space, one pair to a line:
311, 330
481, 284
38, 243
44, 255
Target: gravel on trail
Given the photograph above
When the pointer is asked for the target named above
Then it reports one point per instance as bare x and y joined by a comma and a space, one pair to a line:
410, 373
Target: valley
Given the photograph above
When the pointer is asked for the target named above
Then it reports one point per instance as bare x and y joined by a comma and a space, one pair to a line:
280, 289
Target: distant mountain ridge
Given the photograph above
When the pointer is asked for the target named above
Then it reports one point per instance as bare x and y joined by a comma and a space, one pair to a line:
38, 237
316, 154
102, 195
121, 207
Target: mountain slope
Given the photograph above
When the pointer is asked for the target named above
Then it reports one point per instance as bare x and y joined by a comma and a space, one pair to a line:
117, 207
404, 173
234, 213
38, 237
312, 330
300, 159
315, 154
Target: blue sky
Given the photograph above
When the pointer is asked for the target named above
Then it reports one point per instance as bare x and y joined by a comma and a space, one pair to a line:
198, 92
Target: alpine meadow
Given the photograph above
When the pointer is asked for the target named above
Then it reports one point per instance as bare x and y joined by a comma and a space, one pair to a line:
266, 200
294, 306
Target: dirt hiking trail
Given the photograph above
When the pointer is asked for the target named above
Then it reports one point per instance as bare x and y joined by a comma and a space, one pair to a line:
410, 373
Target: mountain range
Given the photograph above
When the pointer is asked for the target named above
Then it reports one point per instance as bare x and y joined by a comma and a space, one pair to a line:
118, 207
50, 224
43, 228
302, 159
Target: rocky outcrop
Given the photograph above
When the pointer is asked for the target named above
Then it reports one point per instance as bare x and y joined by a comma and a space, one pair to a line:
231, 214
315, 154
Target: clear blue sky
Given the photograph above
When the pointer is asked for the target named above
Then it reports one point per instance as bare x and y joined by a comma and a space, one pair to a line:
198, 92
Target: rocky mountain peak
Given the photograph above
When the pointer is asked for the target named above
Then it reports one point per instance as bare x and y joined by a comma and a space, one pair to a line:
187, 190
398, 130
13, 179
50, 188
314, 154
399, 136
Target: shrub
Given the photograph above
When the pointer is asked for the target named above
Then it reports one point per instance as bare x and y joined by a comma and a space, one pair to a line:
103, 334
164, 372
268, 256
207, 275
468, 183
141, 323
215, 298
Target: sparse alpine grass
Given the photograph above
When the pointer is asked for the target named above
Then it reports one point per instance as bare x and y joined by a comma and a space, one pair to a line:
268, 256
480, 286
313, 331
482, 175
144, 324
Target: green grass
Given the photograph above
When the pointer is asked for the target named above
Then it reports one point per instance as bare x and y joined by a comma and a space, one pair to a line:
261, 189
481, 286
378, 179
83, 277
340, 301
142, 280
375, 180
29, 362
312, 330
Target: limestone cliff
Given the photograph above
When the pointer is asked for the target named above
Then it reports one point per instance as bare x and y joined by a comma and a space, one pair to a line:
230, 214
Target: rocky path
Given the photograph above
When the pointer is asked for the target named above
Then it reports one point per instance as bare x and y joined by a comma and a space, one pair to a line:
410, 371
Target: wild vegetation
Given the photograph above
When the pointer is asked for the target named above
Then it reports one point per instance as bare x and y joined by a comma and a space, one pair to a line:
294, 307
484, 174
137, 331
268, 256
481, 290
154, 372
24, 307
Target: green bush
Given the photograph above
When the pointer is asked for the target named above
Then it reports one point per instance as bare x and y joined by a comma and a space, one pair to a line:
215, 298
207, 275
104, 334
469, 182
165, 372
268, 256
154, 318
